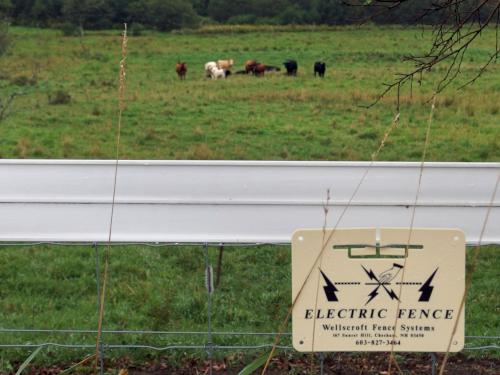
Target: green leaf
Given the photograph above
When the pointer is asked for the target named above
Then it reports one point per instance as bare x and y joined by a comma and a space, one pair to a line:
28, 360
257, 363
70, 369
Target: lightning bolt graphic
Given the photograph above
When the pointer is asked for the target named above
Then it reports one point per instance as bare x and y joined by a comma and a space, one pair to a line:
329, 289
374, 292
391, 294
370, 274
427, 289
372, 295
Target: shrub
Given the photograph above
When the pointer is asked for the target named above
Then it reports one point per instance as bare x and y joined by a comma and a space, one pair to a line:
24, 81
170, 15
69, 29
59, 97
137, 29
4, 37
242, 19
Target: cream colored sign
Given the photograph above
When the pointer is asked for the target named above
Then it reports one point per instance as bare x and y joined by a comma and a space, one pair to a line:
354, 293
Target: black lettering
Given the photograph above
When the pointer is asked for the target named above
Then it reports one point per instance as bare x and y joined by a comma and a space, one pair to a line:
436, 314
449, 314
424, 313
308, 314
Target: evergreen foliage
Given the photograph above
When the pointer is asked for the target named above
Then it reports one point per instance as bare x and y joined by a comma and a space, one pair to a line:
174, 14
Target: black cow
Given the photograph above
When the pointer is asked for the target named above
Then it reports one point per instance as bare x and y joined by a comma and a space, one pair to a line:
271, 68
291, 67
319, 68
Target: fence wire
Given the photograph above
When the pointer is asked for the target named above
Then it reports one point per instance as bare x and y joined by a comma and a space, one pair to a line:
205, 341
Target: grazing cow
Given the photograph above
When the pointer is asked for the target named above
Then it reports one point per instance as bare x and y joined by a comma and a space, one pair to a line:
319, 68
181, 69
291, 67
225, 64
260, 69
250, 65
271, 68
217, 73
208, 68
241, 72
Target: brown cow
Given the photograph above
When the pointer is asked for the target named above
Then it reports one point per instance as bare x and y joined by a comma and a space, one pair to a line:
250, 65
259, 69
181, 69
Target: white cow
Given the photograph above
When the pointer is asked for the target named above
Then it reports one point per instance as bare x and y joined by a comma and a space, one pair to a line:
209, 66
217, 73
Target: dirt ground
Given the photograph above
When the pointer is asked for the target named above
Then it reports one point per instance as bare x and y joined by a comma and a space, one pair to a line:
338, 364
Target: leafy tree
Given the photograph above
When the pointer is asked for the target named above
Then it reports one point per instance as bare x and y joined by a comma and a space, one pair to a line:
6, 7
169, 14
40, 12
87, 13
292, 15
4, 36
222, 10
201, 7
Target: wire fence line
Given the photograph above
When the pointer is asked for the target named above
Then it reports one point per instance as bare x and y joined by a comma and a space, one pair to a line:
213, 346
173, 333
200, 340
181, 347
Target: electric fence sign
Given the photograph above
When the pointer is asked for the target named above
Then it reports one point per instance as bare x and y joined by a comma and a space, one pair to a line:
401, 292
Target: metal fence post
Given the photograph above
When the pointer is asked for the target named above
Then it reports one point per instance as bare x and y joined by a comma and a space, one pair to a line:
321, 363
219, 265
209, 283
98, 282
434, 363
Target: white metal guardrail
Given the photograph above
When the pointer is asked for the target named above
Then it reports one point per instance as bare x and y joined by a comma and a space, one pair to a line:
236, 201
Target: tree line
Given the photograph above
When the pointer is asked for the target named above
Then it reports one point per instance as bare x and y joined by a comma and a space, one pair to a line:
167, 15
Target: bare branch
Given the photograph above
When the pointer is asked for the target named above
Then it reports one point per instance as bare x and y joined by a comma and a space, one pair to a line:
460, 23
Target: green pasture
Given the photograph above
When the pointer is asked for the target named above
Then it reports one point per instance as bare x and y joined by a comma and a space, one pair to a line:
157, 288
68, 109
243, 117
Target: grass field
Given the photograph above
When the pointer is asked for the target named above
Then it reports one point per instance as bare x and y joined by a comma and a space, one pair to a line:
69, 109
275, 118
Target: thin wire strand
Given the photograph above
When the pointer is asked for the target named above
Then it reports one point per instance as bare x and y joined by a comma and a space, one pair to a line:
173, 333
121, 97
389, 130
392, 358
182, 347
470, 275
323, 244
